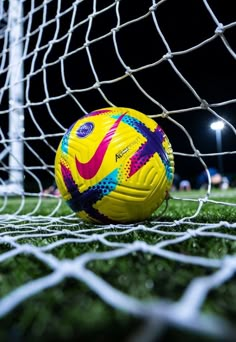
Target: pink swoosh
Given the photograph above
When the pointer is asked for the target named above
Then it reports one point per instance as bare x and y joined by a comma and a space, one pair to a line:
89, 169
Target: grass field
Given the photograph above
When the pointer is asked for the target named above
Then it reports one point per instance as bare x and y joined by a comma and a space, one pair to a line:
71, 311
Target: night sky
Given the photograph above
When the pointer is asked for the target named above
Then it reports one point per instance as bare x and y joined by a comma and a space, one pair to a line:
209, 69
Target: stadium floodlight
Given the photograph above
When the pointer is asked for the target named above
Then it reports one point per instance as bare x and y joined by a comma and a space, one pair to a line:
217, 126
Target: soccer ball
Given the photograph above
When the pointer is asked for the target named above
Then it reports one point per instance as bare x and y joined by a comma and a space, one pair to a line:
114, 165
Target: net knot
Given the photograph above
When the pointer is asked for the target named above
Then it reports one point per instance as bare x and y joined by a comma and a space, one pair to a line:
7, 238
192, 232
92, 15
71, 30
87, 43
203, 199
167, 56
225, 224
153, 8
164, 115
26, 248
61, 58
177, 222
115, 29
128, 71
66, 231
230, 262
96, 85
220, 29
196, 153
67, 267
140, 245
204, 104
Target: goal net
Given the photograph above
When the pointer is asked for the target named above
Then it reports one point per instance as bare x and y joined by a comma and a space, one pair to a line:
173, 61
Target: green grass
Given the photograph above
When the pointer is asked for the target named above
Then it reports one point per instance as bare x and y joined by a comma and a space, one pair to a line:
72, 312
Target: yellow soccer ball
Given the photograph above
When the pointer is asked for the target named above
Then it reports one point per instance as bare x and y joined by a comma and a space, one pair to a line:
114, 165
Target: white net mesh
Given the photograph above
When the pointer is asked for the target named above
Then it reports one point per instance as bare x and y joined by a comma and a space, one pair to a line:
173, 62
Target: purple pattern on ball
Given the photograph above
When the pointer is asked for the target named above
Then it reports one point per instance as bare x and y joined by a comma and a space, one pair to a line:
147, 150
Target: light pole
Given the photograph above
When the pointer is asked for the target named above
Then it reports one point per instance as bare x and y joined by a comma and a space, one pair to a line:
217, 126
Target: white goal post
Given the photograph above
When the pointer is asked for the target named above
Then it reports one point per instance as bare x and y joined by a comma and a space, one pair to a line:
173, 60
16, 95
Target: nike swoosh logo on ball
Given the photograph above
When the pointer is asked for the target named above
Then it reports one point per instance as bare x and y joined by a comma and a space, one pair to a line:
89, 169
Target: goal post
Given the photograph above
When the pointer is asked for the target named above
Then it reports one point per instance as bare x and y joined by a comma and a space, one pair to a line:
15, 74
16, 94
